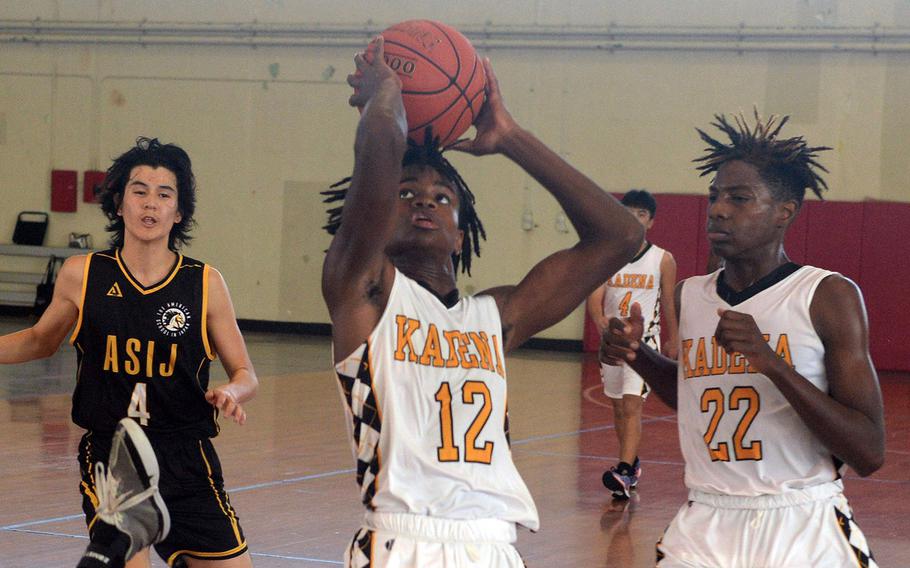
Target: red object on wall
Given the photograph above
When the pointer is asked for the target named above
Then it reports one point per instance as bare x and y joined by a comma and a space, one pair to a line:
63, 191
91, 179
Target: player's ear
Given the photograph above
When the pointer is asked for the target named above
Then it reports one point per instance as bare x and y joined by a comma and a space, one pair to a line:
459, 239
786, 213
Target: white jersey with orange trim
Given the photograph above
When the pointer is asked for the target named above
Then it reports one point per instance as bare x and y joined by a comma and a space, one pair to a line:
738, 433
638, 281
425, 400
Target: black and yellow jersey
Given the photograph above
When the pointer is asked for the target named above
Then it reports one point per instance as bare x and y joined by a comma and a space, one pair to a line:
143, 352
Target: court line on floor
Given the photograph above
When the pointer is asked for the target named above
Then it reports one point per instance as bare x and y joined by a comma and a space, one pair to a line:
586, 394
290, 480
524, 441
600, 458
304, 558
262, 554
41, 522
278, 482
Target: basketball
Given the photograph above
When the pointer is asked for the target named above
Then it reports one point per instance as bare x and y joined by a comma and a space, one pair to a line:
442, 78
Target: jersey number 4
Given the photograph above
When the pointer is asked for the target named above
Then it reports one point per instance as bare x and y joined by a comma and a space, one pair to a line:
137, 407
624, 305
714, 397
448, 451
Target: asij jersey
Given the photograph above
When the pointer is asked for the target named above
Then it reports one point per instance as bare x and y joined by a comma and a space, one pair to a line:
143, 352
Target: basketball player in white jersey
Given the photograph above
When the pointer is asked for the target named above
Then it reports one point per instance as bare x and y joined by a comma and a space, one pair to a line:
775, 387
421, 371
648, 280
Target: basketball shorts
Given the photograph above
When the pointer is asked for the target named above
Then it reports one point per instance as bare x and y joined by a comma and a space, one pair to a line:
402, 540
621, 380
807, 527
203, 522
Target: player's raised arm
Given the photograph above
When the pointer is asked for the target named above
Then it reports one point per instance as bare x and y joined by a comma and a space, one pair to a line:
608, 235
356, 274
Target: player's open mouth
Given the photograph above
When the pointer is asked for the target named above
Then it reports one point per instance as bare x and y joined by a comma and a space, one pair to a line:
423, 221
149, 221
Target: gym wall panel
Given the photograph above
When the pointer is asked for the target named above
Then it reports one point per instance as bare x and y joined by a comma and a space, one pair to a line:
704, 250
834, 236
677, 229
884, 273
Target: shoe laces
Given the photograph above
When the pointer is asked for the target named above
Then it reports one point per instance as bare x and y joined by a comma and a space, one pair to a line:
112, 502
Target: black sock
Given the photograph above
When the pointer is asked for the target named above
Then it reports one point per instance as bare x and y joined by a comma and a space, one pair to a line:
108, 547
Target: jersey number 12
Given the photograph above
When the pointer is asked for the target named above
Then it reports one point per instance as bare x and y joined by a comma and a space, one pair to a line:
448, 451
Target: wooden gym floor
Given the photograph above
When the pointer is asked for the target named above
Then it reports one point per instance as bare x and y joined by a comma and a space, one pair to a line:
289, 470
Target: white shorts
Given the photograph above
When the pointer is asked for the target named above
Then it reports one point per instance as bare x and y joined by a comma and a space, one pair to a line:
622, 380
812, 527
401, 540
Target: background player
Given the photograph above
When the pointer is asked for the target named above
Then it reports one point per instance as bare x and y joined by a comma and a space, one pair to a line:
648, 279
776, 390
148, 322
420, 369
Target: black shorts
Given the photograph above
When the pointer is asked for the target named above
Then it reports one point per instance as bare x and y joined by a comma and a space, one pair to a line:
204, 525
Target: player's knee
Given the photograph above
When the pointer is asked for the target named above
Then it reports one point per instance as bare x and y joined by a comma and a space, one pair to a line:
631, 406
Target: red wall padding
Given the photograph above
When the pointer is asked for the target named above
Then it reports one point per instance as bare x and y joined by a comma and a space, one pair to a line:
675, 230
834, 236
884, 274
869, 242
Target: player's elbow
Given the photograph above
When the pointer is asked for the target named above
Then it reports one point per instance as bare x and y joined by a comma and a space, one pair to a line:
627, 244
869, 463
870, 456
633, 241
42, 345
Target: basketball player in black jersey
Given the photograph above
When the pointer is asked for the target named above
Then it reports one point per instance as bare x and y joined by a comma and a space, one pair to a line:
417, 219
146, 322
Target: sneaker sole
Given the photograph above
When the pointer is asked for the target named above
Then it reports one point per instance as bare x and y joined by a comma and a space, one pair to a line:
149, 463
615, 485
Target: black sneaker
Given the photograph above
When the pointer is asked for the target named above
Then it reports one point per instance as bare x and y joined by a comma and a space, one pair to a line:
620, 481
127, 489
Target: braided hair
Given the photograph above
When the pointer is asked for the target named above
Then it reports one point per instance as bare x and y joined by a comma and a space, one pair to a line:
789, 166
427, 154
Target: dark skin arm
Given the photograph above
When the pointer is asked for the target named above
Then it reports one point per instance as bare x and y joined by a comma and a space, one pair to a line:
849, 419
609, 236
357, 276
621, 343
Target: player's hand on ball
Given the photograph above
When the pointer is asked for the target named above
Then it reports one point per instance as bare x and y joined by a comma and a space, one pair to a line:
493, 123
372, 74
226, 403
622, 338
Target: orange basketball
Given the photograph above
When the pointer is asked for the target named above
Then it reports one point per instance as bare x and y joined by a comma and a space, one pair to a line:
442, 78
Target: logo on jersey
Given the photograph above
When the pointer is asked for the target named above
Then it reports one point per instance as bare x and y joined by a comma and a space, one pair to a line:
115, 292
173, 319
641, 281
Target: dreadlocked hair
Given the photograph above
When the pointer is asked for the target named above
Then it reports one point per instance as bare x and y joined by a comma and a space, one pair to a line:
789, 166
427, 154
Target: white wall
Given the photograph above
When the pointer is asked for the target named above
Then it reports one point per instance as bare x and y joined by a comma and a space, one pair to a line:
268, 126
